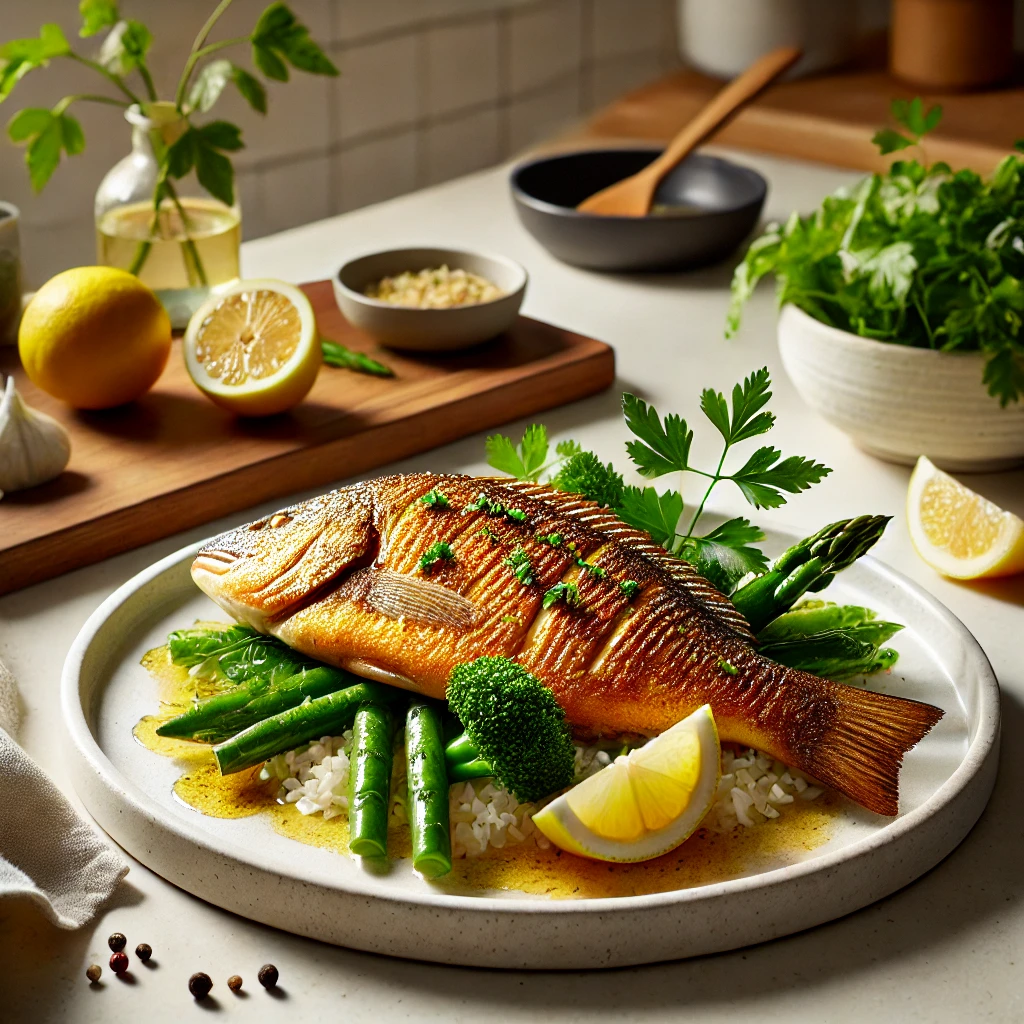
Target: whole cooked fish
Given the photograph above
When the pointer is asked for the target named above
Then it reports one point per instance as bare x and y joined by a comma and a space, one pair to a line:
344, 578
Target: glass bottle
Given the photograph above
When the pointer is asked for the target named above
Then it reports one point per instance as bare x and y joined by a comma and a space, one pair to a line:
186, 247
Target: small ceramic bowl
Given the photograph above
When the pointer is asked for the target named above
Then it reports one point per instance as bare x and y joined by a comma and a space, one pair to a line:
717, 205
899, 402
429, 330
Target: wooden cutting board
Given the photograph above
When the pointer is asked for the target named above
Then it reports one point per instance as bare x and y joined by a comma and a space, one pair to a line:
174, 460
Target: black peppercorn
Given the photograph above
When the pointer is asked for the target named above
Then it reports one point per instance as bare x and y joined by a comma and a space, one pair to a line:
144, 951
200, 984
117, 941
93, 972
119, 962
268, 976
235, 983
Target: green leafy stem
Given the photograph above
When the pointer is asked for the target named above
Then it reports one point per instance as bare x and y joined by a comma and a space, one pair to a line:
277, 41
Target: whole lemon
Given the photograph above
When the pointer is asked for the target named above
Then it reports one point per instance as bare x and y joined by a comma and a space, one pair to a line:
94, 337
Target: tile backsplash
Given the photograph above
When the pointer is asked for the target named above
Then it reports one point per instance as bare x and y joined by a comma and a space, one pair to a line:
429, 89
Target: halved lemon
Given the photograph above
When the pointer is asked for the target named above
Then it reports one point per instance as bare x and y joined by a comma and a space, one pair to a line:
254, 347
957, 531
644, 803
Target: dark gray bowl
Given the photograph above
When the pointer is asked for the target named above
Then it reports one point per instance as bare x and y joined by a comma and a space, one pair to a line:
723, 202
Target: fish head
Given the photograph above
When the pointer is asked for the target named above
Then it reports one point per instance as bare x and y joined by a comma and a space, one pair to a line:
268, 569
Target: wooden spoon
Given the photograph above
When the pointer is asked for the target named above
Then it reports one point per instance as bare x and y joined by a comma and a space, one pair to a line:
632, 196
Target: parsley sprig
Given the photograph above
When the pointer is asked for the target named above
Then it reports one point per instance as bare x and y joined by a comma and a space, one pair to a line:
921, 255
726, 553
660, 446
529, 459
915, 121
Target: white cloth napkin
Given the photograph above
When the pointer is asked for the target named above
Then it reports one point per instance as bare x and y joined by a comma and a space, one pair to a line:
48, 854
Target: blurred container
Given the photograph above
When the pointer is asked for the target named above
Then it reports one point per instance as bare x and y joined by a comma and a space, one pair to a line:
10, 274
952, 44
724, 37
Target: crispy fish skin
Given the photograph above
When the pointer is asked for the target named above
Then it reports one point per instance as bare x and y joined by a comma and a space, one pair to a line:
339, 578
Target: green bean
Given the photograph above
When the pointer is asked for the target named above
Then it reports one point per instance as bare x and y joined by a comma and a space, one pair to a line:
251, 701
369, 801
428, 790
322, 716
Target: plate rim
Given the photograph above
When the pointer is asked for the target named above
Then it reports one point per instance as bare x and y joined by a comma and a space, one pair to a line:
979, 750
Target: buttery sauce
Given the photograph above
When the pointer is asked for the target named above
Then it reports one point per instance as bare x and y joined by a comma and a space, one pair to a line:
704, 858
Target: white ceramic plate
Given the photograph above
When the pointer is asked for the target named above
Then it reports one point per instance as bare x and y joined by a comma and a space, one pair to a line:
246, 867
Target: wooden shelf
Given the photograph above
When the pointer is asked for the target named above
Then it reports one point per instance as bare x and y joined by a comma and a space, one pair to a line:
827, 118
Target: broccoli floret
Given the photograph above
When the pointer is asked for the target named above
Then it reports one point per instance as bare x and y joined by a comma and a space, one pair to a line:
585, 474
514, 728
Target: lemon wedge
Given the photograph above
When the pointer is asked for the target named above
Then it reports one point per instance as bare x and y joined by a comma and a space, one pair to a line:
644, 803
253, 347
958, 532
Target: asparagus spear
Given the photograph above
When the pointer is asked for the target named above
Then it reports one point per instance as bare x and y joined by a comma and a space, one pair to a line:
809, 565
322, 716
251, 701
428, 790
370, 780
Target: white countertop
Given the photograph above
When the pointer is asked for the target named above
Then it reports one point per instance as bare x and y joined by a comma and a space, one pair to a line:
948, 948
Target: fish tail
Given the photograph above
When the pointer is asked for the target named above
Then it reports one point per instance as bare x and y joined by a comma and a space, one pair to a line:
861, 752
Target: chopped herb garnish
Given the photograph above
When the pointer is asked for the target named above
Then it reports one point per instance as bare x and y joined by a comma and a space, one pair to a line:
629, 589
513, 619
495, 508
727, 667
566, 592
435, 499
441, 551
594, 570
519, 563
554, 539
485, 531
484, 504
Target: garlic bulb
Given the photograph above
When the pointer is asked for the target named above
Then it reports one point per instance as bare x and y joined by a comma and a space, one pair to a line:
34, 447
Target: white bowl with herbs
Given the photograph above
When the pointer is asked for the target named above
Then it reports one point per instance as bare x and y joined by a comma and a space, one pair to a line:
430, 299
902, 303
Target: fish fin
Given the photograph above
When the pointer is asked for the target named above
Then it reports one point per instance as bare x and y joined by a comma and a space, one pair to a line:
398, 596
861, 753
604, 520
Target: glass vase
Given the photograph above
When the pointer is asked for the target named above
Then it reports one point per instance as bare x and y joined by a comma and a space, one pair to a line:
183, 248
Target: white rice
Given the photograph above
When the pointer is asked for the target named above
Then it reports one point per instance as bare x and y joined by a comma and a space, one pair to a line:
314, 778
754, 789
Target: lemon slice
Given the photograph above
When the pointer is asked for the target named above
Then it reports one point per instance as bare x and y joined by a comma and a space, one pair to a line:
958, 532
644, 803
253, 347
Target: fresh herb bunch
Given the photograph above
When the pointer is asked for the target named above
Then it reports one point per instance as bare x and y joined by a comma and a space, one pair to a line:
661, 446
277, 41
921, 256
